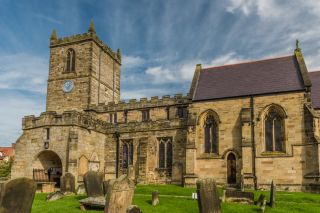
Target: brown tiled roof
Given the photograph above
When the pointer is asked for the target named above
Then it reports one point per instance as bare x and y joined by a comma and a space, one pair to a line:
6, 151
251, 78
315, 89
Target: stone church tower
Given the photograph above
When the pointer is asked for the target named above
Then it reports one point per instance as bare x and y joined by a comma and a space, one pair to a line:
83, 71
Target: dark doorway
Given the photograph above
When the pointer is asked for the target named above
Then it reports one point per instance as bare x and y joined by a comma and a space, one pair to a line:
232, 169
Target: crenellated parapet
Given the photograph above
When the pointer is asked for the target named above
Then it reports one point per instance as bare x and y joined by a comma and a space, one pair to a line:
134, 104
90, 122
90, 35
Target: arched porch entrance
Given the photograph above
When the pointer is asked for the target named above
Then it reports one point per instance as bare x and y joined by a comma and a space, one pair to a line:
231, 169
47, 167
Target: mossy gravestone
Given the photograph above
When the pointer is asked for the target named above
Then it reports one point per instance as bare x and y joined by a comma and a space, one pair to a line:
93, 183
67, 183
17, 195
208, 198
155, 198
119, 195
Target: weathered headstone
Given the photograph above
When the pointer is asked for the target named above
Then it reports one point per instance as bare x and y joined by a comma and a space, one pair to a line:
239, 196
260, 200
93, 183
263, 206
273, 191
208, 198
223, 198
119, 195
67, 183
17, 195
130, 172
155, 198
54, 196
133, 209
177, 173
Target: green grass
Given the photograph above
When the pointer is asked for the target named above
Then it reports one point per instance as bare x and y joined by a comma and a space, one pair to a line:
177, 199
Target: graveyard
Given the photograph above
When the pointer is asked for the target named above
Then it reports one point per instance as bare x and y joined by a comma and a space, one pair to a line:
178, 199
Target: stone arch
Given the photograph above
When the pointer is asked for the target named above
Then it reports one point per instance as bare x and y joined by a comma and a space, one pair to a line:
280, 110
228, 151
209, 112
47, 167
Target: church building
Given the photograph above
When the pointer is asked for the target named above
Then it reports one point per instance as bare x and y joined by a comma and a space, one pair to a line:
249, 123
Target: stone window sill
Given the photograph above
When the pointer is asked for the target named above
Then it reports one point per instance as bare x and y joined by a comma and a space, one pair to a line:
209, 156
273, 153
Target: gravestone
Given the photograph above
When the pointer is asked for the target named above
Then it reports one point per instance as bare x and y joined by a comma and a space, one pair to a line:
177, 173
239, 196
130, 172
17, 195
263, 206
223, 198
119, 195
273, 191
54, 196
67, 183
155, 198
260, 200
93, 184
208, 198
133, 209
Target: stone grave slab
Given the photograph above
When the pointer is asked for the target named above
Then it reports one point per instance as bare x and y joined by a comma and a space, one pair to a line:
119, 195
93, 183
67, 183
208, 198
17, 195
239, 197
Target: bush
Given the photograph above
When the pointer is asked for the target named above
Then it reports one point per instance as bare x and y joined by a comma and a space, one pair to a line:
5, 168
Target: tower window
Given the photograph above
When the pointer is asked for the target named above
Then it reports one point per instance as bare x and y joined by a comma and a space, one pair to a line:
182, 112
113, 117
71, 60
145, 115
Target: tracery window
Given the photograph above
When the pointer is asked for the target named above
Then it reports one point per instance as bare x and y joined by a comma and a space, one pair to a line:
274, 131
127, 153
165, 154
210, 135
71, 60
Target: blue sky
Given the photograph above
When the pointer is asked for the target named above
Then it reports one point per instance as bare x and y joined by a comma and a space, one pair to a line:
161, 42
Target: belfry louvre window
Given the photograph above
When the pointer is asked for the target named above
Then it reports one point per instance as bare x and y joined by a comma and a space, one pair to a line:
182, 112
71, 60
210, 135
145, 115
274, 131
165, 153
127, 153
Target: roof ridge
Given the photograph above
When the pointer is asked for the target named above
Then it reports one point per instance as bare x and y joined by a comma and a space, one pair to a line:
314, 71
247, 62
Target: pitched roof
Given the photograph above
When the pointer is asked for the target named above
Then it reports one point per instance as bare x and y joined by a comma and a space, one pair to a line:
315, 89
6, 151
250, 78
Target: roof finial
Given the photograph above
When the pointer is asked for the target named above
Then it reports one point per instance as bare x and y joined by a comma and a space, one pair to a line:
91, 27
119, 54
298, 45
53, 35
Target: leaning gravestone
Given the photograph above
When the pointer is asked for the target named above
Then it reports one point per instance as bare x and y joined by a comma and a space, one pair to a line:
67, 183
208, 198
17, 195
54, 196
273, 194
260, 200
93, 183
155, 198
119, 195
133, 209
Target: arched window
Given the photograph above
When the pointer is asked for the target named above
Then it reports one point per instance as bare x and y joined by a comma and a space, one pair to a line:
274, 131
165, 154
210, 135
71, 60
127, 153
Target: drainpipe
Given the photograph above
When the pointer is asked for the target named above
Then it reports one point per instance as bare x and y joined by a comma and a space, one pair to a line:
117, 135
253, 143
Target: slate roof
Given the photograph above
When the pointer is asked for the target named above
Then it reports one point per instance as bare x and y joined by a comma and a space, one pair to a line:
250, 78
315, 89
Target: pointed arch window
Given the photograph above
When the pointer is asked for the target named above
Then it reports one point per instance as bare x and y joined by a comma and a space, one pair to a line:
274, 131
71, 60
127, 153
211, 135
165, 154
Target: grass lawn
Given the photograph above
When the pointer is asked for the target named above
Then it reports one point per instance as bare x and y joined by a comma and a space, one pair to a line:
177, 199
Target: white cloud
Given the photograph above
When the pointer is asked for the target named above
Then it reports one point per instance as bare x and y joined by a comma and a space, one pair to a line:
13, 107
161, 75
24, 72
130, 62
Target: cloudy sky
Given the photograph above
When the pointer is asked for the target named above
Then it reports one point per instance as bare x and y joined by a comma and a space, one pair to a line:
161, 42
